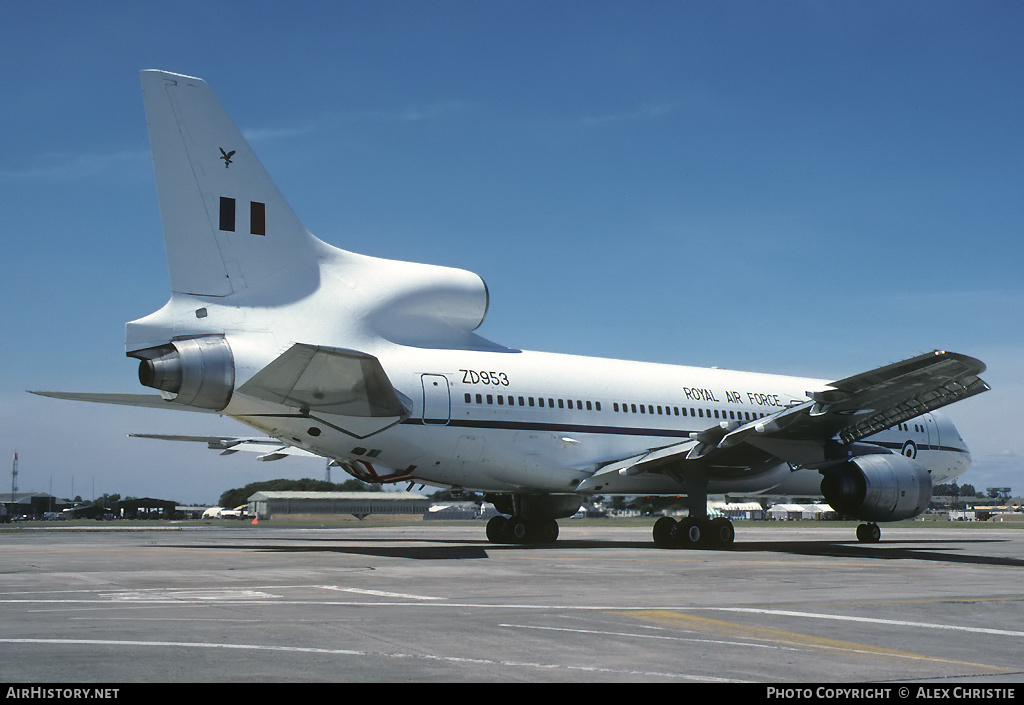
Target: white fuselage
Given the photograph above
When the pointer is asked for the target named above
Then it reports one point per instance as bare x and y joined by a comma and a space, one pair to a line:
542, 422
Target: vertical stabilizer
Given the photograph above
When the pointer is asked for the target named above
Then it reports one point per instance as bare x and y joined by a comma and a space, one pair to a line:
227, 229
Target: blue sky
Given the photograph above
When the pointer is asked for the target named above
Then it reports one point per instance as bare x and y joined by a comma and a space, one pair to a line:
811, 188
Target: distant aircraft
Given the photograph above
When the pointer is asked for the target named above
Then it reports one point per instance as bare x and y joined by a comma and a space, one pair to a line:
375, 365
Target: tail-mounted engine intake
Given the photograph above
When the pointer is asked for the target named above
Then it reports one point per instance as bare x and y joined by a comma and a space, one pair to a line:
878, 488
194, 371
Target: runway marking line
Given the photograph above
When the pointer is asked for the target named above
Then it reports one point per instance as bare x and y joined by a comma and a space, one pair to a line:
372, 654
691, 621
379, 593
872, 620
633, 635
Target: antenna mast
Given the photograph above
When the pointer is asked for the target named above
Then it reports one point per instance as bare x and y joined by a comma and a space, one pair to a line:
14, 477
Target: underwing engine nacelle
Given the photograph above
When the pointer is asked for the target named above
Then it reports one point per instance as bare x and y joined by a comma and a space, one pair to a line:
878, 488
192, 371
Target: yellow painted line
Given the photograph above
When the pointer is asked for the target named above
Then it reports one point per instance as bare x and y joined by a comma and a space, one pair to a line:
719, 626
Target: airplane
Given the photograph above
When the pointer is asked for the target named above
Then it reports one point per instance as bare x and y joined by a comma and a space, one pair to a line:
376, 365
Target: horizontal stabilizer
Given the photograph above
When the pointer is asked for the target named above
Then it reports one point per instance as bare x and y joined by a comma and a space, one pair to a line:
152, 401
269, 448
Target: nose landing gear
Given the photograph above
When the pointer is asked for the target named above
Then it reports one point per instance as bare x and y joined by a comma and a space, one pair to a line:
869, 533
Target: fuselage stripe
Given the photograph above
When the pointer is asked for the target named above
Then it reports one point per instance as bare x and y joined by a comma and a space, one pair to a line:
618, 431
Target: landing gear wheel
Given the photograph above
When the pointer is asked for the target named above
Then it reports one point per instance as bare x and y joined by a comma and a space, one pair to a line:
516, 530
496, 529
869, 533
721, 532
546, 531
663, 530
688, 533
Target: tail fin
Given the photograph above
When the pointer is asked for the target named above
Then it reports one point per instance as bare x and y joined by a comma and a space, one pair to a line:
227, 228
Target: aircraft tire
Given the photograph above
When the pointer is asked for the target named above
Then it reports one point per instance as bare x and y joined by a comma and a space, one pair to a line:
869, 533
721, 532
663, 529
546, 531
517, 530
688, 533
496, 529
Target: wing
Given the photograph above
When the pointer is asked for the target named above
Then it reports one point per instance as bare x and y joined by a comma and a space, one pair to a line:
844, 411
864, 404
269, 448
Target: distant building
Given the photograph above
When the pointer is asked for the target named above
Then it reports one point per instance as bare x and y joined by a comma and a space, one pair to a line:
266, 505
799, 512
31, 504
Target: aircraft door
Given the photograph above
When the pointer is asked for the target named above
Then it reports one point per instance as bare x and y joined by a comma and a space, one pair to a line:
932, 429
437, 402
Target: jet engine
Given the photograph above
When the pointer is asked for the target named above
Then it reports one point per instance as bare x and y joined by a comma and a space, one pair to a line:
878, 488
192, 371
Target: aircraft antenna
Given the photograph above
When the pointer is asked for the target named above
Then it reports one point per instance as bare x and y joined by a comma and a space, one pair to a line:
14, 477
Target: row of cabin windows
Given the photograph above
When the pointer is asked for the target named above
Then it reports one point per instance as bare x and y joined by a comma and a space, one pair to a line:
682, 411
918, 428
551, 403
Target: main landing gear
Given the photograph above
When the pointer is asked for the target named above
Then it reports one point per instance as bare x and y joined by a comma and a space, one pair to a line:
516, 529
869, 533
531, 517
694, 533
696, 530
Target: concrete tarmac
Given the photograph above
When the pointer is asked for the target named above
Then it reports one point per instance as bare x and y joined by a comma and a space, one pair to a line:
428, 603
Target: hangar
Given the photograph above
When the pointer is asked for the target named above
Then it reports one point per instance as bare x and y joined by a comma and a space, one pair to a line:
266, 505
